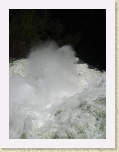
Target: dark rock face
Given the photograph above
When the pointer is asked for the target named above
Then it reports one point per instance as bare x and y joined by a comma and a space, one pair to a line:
83, 29
92, 45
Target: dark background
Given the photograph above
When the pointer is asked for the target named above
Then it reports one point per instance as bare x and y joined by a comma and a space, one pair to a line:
84, 29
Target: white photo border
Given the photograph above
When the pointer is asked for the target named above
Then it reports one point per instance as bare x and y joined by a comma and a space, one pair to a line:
109, 142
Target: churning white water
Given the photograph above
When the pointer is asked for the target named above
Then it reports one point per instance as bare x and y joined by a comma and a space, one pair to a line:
52, 96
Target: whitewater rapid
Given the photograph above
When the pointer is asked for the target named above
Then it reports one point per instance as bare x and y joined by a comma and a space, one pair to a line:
53, 95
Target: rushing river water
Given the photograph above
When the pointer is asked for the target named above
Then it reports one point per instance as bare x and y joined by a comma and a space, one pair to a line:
52, 96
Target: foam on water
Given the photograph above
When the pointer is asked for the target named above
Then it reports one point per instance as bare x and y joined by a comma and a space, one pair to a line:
53, 97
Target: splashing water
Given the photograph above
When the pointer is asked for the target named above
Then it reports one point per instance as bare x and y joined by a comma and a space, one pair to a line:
54, 97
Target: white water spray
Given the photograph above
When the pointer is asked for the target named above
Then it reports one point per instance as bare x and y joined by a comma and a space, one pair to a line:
53, 97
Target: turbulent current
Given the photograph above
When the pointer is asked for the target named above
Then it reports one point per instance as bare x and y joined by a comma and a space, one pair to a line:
54, 95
